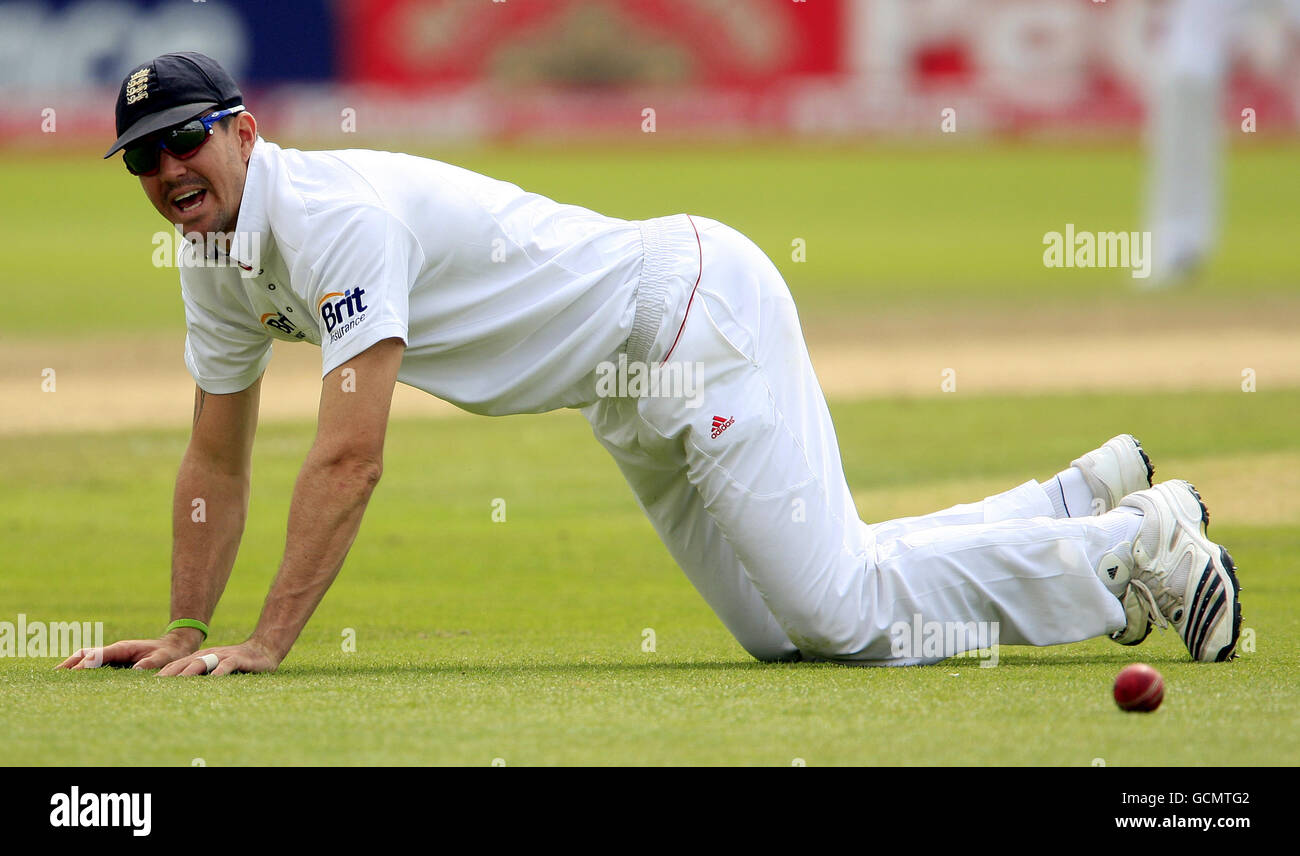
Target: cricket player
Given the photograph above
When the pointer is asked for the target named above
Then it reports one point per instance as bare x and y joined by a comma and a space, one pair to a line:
502, 301
1184, 129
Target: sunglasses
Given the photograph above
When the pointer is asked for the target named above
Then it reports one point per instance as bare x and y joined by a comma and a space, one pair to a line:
181, 141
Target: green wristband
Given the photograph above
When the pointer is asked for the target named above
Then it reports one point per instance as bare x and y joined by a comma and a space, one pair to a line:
189, 622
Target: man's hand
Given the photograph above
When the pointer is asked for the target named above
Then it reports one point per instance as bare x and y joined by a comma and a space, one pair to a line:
248, 657
330, 497
137, 653
216, 467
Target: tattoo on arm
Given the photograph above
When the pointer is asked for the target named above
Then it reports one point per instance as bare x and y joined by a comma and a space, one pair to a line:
199, 398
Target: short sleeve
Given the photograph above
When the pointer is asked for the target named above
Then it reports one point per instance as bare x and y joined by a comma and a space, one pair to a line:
360, 282
223, 356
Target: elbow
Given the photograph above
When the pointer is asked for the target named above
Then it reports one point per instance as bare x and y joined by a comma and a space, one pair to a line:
353, 469
368, 472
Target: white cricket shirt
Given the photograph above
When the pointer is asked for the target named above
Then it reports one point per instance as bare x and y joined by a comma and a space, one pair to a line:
506, 300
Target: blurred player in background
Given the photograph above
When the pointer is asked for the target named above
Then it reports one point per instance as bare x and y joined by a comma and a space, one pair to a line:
1184, 131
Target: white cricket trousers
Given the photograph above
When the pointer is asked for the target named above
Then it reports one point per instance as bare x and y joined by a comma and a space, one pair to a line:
759, 514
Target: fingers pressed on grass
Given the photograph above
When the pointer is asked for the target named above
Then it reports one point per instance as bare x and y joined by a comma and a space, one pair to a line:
195, 667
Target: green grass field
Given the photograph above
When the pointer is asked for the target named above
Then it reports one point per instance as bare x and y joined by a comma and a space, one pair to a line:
522, 641
893, 226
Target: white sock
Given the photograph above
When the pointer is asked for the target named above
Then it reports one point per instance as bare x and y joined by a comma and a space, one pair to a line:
1069, 494
1121, 527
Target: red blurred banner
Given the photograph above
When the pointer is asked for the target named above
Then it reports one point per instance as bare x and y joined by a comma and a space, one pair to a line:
436, 43
566, 69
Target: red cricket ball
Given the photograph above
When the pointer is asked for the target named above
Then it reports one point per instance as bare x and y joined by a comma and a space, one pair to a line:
1139, 687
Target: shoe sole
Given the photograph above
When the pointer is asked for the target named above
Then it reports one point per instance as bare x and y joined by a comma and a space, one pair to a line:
1143, 639
1151, 468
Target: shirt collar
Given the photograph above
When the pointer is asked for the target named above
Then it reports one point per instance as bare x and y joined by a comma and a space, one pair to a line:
252, 232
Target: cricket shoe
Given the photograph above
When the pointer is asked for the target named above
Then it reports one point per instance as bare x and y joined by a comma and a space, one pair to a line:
1179, 577
1138, 625
1115, 470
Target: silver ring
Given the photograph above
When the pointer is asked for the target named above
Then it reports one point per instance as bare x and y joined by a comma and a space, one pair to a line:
209, 660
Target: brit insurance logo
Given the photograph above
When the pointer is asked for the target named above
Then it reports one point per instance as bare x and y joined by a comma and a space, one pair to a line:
279, 323
340, 312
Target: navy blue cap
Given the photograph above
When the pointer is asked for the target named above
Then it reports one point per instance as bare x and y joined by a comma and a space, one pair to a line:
168, 90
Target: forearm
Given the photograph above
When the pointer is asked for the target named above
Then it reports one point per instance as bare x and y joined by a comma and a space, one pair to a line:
329, 500
208, 513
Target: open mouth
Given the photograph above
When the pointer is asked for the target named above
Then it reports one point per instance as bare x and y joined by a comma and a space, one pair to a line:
187, 202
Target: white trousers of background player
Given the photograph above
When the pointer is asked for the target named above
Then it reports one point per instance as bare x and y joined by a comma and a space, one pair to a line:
1184, 124
1184, 135
761, 518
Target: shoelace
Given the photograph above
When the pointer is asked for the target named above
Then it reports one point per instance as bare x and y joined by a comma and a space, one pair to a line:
1153, 611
